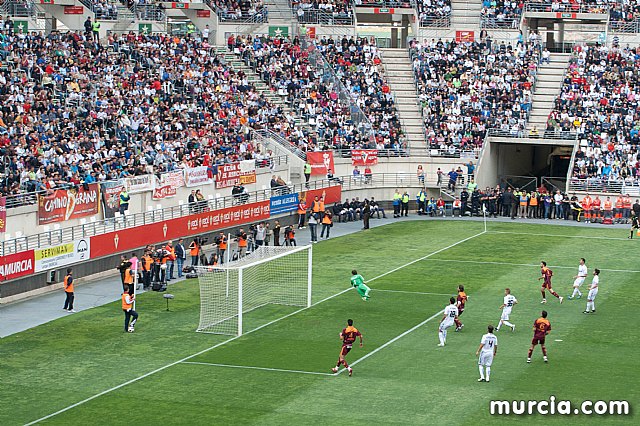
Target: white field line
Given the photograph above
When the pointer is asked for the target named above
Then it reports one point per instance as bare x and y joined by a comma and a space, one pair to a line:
247, 367
481, 262
411, 292
398, 337
157, 370
591, 237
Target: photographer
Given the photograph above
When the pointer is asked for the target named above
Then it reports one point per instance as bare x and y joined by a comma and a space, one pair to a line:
240, 195
242, 238
146, 263
160, 257
194, 251
221, 243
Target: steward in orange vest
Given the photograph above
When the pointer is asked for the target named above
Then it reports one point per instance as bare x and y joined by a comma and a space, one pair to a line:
68, 291
127, 308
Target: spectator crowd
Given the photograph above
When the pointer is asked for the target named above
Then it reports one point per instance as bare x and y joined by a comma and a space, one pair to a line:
299, 76
466, 88
74, 111
598, 104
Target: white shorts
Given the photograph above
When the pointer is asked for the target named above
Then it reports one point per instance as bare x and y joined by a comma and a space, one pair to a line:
505, 314
445, 325
485, 358
592, 294
578, 282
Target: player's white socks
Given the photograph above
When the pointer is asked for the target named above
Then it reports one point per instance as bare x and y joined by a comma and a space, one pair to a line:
507, 323
480, 367
591, 306
441, 336
488, 373
576, 290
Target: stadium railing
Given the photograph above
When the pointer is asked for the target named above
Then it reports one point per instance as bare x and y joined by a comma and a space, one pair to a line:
389, 4
625, 27
566, 8
17, 8
544, 134
600, 185
322, 17
435, 22
72, 233
31, 197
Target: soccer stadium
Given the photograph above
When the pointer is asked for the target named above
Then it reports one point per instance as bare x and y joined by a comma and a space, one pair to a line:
320, 212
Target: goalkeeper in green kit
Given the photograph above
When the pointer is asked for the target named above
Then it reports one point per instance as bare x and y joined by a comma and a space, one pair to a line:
358, 282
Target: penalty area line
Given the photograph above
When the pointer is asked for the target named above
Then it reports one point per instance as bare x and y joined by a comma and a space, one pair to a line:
158, 370
395, 339
591, 237
486, 262
249, 367
376, 290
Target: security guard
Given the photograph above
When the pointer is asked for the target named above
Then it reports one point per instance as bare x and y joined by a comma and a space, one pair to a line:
124, 201
96, 31
396, 203
422, 201
405, 204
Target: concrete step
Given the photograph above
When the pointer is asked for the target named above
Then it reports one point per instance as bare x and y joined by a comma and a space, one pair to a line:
548, 84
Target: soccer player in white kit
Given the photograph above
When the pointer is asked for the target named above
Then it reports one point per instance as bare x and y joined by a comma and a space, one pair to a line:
509, 302
448, 319
485, 353
579, 279
593, 292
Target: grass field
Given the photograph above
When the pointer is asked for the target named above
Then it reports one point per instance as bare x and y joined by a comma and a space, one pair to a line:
165, 373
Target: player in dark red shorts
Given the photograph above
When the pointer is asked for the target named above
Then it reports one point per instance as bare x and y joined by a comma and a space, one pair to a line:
348, 337
541, 327
460, 302
546, 284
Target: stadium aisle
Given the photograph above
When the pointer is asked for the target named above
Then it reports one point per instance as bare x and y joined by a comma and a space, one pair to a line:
32, 312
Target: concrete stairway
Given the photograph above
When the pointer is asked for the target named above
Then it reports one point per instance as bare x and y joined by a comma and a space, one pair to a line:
465, 14
399, 75
550, 78
279, 12
262, 87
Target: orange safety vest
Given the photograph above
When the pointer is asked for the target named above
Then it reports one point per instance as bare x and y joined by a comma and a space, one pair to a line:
597, 203
301, 208
626, 203
126, 306
68, 286
326, 219
587, 203
147, 261
619, 203
128, 277
223, 243
242, 242
194, 251
607, 205
533, 201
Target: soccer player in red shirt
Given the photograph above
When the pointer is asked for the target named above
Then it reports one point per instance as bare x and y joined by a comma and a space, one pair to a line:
541, 327
348, 337
546, 284
460, 302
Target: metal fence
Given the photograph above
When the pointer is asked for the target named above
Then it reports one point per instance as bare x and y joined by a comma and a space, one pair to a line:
435, 22
631, 27
322, 17
600, 7
99, 227
596, 185
31, 197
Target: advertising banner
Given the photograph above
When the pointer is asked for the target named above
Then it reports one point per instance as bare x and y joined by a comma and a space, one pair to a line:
3, 214
465, 36
61, 255
320, 162
111, 197
364, 157
175, 179
172, 229
284, 203
166, 191
331, 195
65, 204
140, 183
196, 176
16, 265
242, 173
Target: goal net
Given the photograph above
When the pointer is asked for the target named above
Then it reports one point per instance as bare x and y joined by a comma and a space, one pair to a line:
267, 276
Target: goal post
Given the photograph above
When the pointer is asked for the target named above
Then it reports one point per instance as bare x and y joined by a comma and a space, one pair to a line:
259, 282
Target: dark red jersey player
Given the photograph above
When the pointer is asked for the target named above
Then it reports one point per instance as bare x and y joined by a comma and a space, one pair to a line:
541, 327
348, 337
546, 283
460, 302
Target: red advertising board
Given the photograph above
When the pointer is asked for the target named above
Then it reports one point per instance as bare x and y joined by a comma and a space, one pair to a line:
331, 195
65, 204
172, 229
203, 13
465, 36
166, 191
3, 214
73, 10
231, 174
320, 161
16, 265
364, 157
179, 5
311, 32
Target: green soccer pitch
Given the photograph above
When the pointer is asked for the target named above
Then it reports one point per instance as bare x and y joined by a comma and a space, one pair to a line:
82, 369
